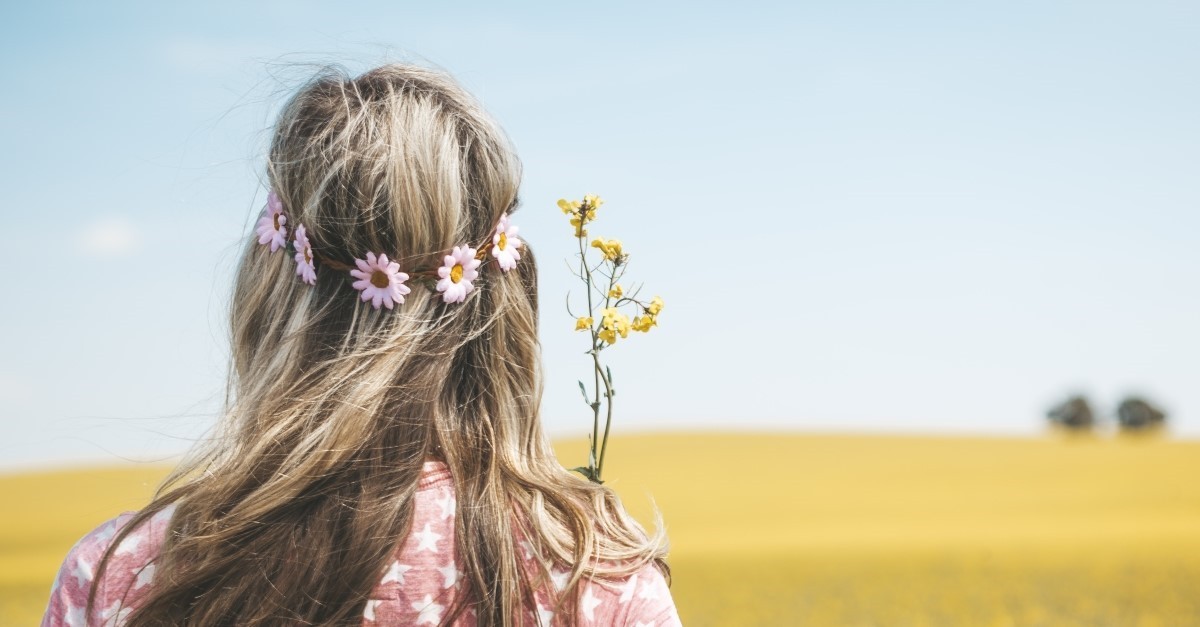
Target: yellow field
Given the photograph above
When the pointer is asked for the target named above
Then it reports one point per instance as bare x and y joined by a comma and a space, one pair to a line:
825, 530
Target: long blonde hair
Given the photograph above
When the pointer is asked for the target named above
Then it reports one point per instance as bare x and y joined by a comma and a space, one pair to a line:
292, 513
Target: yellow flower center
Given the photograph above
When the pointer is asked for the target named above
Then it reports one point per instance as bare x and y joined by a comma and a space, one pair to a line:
503, 241
456, 272
275, 219
380, 279
308, 255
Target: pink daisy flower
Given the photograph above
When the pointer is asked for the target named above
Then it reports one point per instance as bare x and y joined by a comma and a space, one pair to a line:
380, 281
505, 244
271, 229
304, 257
457, 271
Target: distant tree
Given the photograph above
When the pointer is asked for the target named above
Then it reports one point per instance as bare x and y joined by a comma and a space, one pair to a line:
1074, 413
1137, 414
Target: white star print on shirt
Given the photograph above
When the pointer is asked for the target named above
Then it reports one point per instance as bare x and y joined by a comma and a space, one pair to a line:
648, 591
451, 573
82, 572
528, 549
369, 612
544, 616
628, 588
559, 578
144, 575
106, 532
427, 539
115, 614
75, 616
162, 516
129, 544
589, 602
641, 624
396, 573
447, 505
430, 612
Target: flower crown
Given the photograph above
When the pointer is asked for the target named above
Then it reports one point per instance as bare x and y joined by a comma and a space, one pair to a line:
379, 279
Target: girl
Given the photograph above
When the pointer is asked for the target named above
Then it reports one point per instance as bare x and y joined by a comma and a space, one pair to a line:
381, 460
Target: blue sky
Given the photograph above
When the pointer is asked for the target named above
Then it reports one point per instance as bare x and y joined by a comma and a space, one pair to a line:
900, 217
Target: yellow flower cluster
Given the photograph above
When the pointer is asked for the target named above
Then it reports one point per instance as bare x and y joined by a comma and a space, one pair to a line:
613, 323
650, 318
581, 212
611, 248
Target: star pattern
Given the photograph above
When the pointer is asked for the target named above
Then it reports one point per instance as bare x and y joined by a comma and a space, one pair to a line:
396, 573
450, 573
144, 576
447, 504
106, 532
430, 612
369, 611
559, 578
74, 617
115, 614
628, 588
82, 572
420, 583
427, 539
129, 545
589, 602
648, 591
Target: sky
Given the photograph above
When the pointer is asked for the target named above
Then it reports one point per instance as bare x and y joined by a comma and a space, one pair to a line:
897, 217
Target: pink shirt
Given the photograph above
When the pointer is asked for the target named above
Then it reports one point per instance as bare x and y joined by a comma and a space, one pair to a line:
419, 585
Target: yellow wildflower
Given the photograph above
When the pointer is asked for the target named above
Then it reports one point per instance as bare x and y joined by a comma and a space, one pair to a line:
656, 305
584, 323
592, 202
568, 206
615, 323
616, 291
579, 230
611, 248
643, 323
581, 212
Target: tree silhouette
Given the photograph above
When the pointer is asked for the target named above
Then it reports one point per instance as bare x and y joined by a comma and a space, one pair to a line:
1075, 414
1137, 414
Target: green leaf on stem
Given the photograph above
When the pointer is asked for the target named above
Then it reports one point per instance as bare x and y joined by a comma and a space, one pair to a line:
583, 391
590, 473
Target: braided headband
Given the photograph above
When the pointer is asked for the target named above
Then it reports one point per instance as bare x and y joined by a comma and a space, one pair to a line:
380, 280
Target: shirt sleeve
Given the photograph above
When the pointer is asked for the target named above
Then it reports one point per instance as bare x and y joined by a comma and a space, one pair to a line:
69, 593
73, 584
650, 602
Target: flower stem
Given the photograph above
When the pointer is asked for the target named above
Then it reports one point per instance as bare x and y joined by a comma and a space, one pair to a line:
608, 393
587, 279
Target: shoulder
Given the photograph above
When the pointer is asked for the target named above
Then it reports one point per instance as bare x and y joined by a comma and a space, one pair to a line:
642, 599
128, 570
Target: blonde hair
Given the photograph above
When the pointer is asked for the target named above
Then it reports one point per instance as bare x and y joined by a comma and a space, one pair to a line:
292, 514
